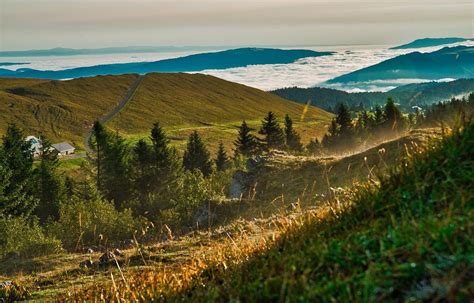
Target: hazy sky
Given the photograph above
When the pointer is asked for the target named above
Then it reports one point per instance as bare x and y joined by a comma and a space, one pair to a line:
28, 24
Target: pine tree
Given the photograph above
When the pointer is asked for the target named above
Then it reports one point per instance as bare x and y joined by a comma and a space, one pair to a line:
344, 120
156, 171
49, 188
274, 137
378, 116
221, 158
246, 144
100, 144
393, 116
17, 163
113, 171
196, 156
293, 140
143, 170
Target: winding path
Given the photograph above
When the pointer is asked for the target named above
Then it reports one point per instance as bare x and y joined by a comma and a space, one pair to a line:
109, 115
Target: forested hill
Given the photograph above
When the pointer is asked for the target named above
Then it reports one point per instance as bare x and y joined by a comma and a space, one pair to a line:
449, 62
428, 42
420, 94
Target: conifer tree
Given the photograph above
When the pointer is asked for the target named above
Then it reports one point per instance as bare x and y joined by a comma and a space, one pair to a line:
293, 140
274, 137
246, 144
48, 185
196, 156
100, 144
17, 181
113, 171
341, 131
344, 120
392, 116
157, 168
378, 116
221, 158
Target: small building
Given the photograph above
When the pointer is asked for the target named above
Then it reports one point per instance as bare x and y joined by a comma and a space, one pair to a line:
64, 149
36, 145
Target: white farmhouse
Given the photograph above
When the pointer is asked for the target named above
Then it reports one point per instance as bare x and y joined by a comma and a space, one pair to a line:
36, 145
64, 148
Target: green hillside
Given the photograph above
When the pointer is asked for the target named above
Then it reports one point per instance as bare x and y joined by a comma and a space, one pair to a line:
65, 110
61, 110
420, 94
408, 238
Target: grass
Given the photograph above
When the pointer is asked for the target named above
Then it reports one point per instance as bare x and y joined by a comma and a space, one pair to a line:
213, 134
61, 110
314, 176
50, 276
405, 238
65, 110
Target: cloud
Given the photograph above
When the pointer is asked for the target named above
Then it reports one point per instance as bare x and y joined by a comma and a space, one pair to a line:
310, 72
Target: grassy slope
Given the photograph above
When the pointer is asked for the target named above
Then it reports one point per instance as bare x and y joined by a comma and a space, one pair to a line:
315, 176
214, 107
65, 110
61, 271
62, 110
409, 238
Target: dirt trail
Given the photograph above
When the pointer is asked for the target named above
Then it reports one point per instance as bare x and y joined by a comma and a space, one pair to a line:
109, 115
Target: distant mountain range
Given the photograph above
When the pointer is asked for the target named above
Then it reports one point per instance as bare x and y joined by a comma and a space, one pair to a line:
449, 62
420, 94
214, 60
61, 51
429, 42
12, 63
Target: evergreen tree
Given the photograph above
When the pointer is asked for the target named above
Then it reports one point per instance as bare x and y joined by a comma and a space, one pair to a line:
143, 170
341, 132
274, 137
393, 116
100, 145
14, 201
344, 120
196, 156
221, 158
293, 140
48, 185
246, 144
113, 171
157, 169
69, 187
17, 163
378, 116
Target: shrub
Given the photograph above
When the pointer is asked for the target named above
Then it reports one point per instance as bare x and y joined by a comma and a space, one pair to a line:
194, 191
13, 293
24, 238
92, 222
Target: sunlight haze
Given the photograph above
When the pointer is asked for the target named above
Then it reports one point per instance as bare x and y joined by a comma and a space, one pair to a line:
33, 24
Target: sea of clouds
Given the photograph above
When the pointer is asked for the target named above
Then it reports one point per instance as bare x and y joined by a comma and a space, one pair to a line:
307, 72
311, 72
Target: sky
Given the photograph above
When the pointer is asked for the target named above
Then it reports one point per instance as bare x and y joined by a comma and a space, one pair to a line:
39, 24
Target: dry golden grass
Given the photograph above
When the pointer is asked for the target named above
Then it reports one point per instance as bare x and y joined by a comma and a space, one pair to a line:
65, 110
61, 110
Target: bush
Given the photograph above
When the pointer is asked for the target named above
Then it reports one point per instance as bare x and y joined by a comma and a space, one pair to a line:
13, 293
24, 238
194, 191
92, 222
